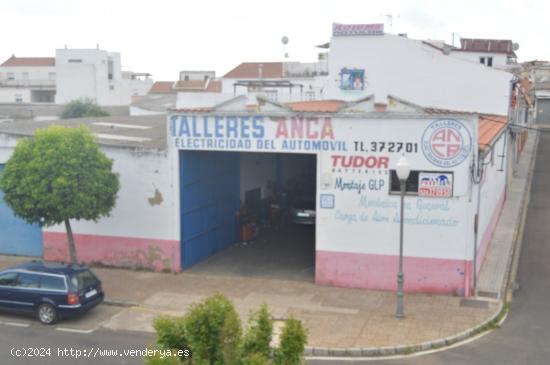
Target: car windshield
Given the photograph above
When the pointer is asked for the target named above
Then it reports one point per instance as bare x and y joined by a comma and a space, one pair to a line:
82, 280
308, 204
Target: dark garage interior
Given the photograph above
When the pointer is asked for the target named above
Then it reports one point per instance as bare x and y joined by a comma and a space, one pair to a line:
248, 213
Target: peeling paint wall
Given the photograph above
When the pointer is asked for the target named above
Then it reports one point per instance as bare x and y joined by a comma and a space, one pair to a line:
139, 231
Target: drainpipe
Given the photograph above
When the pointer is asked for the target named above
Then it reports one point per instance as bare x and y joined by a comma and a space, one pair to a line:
476, 229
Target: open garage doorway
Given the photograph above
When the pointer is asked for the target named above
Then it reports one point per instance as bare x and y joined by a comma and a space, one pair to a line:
248, 213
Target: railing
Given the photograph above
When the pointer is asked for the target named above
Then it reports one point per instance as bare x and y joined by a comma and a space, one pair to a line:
42, 84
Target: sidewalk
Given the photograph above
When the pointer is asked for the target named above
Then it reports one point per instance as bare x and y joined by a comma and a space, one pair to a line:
348, 321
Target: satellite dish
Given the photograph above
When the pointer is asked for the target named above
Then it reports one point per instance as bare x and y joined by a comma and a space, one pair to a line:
515, 46
284, 40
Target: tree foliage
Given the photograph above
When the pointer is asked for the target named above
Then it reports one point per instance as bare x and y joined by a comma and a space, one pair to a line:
258, 337
211, 331
82, 108
59, 175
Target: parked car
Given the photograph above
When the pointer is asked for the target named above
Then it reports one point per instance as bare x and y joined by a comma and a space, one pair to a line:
302, 210
49, 291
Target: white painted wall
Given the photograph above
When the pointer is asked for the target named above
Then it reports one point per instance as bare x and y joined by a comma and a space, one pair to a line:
443, 226
499, 59
418, 73
90, 78
7, 94
34, 73
141, 173
493, 183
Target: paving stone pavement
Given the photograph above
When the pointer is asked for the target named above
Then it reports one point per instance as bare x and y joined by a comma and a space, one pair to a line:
494, 270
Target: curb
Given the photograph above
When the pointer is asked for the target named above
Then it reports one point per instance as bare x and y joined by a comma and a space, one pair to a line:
494, 321
120, 303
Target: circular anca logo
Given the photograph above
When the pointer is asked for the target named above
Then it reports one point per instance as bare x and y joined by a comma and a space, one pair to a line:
446, 142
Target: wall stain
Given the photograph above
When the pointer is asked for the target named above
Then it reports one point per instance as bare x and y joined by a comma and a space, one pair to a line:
156, 199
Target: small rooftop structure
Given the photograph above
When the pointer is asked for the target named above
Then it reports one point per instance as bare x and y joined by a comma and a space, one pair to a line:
487, 46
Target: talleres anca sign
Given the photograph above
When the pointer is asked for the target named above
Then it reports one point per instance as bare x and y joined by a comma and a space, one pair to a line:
444, 143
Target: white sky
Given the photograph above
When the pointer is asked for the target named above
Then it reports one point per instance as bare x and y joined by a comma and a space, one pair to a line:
165, 36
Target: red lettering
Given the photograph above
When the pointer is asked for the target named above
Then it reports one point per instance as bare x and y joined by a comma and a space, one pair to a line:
358, 161
383, 162
369, 162
297, 128
282, 130
327, 132
309, 133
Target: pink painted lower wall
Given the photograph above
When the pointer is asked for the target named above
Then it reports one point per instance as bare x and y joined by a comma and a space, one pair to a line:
131, 252
379, 272
422, 274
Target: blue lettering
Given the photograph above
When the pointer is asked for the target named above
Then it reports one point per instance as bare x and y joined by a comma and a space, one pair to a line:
205, 124
232, 123
219, 126
184, 127
258, 126
194, 129
245, 127
173, 125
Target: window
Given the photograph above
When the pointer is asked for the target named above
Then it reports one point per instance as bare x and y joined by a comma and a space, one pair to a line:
10, 76
25, 75
51, 75
75, 60
8, 279
482, 60
186, 78
490, 61
111, 87
205, 77
18, 98
82, 280
25, 280
411, 186
52, 282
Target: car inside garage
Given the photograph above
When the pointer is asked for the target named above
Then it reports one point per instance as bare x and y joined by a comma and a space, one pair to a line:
248, 213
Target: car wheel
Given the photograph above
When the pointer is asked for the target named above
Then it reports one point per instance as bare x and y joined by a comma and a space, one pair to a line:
46, 313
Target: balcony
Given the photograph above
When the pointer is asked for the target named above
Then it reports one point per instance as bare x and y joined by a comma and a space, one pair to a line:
28, 84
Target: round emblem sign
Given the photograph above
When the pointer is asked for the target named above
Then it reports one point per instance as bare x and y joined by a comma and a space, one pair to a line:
446, 142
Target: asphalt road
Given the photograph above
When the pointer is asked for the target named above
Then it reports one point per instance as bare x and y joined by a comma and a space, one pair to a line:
15, 343
524, 337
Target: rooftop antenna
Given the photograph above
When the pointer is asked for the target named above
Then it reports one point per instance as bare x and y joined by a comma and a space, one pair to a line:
284, 41
389, 19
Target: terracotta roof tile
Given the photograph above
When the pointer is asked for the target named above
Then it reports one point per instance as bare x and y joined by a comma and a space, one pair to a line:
199, 85
317, 106
162, 87
486, 45
251, 70
490, 126
29, 61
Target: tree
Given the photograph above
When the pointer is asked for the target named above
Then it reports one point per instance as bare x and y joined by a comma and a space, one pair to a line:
83, 108
59, 175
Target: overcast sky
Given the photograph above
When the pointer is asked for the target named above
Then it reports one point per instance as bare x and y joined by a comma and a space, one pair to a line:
165, 36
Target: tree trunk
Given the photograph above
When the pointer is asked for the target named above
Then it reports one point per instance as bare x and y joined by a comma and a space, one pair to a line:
72, 248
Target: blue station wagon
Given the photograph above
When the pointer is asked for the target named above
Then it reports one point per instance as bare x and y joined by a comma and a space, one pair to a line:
49, 290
